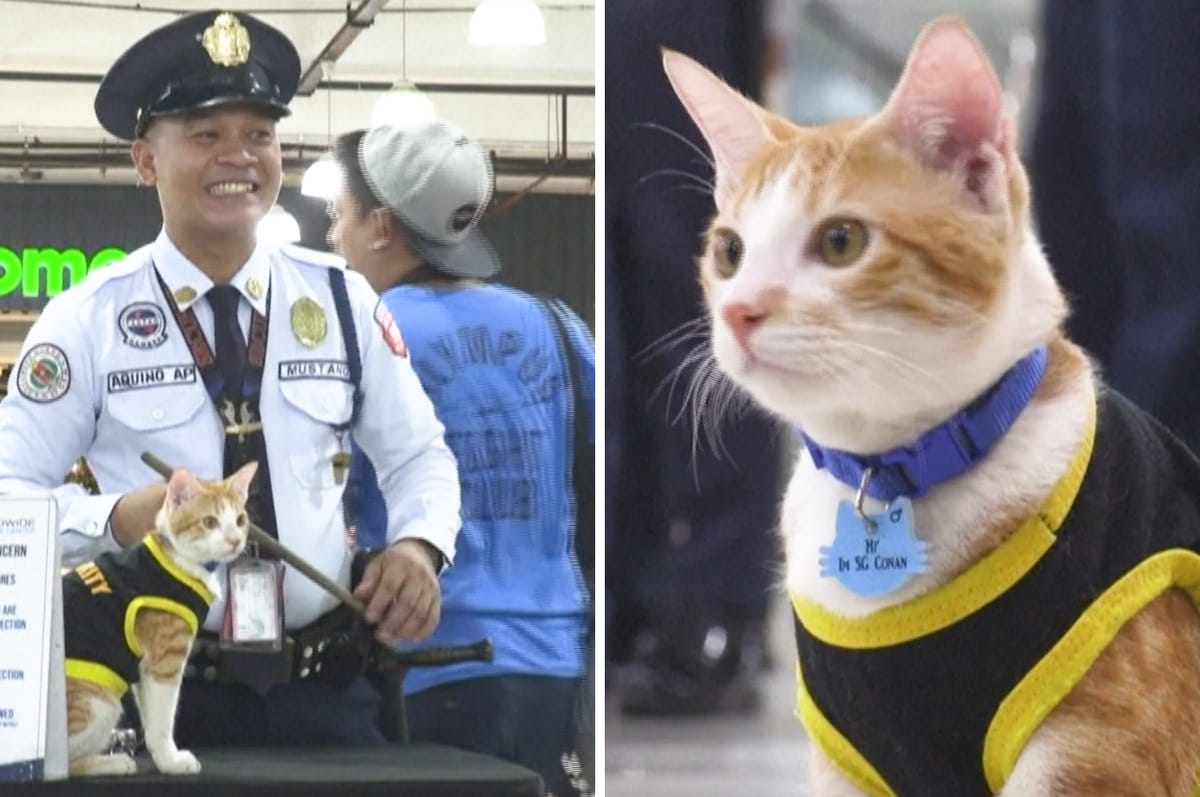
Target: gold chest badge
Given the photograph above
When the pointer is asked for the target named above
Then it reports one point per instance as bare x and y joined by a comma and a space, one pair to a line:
308, 322
227, 41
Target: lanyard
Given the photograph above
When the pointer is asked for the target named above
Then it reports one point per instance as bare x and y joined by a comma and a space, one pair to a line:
206, 362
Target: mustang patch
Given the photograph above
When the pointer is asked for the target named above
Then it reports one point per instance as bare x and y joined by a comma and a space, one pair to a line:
314, 369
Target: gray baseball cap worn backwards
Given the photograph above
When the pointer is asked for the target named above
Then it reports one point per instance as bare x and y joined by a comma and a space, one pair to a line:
438, 181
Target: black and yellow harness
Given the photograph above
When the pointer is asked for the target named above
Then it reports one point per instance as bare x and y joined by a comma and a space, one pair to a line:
938, 696
101, 600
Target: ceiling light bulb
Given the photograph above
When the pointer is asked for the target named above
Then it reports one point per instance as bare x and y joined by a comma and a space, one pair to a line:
279, 226
507, 23
323, 180
404, 104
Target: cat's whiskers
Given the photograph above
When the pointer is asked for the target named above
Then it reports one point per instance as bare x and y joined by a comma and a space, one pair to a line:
704, 156
714, 399
706, 187
671, 380
709, 397
695, 328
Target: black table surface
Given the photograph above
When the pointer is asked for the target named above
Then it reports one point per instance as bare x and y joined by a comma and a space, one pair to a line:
417, 769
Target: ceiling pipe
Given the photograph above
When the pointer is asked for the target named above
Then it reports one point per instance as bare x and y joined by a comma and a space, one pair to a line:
561, 89
356, 20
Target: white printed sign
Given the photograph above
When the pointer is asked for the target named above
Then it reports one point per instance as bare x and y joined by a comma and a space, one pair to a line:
32, 686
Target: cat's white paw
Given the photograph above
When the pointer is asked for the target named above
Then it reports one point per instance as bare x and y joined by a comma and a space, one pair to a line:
180, 762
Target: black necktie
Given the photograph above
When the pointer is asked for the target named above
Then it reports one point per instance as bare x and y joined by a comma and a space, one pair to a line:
257, 669
230, 350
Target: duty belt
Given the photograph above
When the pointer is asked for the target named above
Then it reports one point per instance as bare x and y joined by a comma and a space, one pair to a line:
334, 648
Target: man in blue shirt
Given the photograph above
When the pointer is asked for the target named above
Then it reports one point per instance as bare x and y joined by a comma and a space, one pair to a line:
488, 356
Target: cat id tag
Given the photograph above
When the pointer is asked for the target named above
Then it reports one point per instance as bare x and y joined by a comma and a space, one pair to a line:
254, 606
874, 555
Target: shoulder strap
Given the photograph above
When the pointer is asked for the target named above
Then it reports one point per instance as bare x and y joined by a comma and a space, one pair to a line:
573, 369
583, 469
341, 305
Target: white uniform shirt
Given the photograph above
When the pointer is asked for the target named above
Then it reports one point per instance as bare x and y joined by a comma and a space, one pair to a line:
89, 383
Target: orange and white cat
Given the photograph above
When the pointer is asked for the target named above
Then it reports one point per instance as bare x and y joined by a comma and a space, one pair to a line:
130, 619
867, 281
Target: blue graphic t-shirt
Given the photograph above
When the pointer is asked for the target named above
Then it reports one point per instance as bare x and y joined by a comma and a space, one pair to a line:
488, 358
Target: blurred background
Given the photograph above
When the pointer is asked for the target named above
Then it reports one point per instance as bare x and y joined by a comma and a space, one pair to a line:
700, 686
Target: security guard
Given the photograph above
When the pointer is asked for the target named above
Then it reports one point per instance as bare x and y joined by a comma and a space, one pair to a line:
210, 348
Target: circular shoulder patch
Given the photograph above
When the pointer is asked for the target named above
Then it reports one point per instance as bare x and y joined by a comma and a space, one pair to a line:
44, 374
143, 325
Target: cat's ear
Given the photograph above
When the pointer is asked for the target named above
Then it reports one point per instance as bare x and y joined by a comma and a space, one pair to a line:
948, 106
732, 125
181, 488
240, 480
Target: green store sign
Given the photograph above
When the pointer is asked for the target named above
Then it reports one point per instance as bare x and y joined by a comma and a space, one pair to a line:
36, 273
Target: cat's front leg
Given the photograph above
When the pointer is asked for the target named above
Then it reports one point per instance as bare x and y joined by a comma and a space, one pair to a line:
827, 780
157, 700
166, 641
1131, 726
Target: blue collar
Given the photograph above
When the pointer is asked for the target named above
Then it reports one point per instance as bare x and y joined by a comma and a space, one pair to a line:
944, 452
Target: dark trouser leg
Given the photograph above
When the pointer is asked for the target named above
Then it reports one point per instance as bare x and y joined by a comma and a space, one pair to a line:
1066, 169
691, 548
1152, 121
294, 714
521, 718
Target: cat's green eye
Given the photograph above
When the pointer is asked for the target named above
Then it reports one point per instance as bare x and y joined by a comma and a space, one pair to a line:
210, 522
727, 251
839, 242
241, 520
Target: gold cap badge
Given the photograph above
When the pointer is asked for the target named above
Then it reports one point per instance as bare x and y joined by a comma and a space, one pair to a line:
227, 41
308, 322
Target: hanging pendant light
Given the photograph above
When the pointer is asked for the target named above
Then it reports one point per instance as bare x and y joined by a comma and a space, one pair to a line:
404, 103
323, 180
507, 23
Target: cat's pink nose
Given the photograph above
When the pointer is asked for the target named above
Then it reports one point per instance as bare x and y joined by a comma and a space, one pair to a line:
742, 319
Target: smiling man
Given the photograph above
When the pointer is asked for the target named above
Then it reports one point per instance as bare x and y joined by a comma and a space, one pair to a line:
210, 348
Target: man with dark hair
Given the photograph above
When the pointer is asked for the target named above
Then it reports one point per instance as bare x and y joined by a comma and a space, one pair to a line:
497, 363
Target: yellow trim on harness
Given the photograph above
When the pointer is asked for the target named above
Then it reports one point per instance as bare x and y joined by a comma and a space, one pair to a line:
1060, 670
973, 589
836, 747
98, 674
152, 544
162, 604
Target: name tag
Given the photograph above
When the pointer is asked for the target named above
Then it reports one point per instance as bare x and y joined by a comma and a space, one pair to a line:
253, 610
151, 376
290, 370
